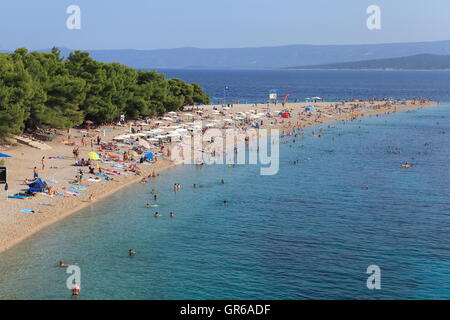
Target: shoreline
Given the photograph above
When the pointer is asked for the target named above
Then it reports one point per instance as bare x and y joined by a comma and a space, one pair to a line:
81, 205
63, 209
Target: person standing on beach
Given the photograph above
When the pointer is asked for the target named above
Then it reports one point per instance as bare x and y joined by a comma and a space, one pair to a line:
43, 163
35, 173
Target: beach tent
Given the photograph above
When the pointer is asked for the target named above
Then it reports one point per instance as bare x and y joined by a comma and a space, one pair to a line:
37, 186
2, 155
149, 156
93, 156
285, 115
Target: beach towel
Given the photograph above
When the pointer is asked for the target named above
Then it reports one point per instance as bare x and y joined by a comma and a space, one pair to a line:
18, 196
45, 204
79, 187
102, 175
94, 180
27, 211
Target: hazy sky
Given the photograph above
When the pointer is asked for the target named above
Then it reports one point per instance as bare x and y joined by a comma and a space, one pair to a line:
153, 24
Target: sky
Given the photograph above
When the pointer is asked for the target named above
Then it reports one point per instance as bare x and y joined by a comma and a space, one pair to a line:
158, 24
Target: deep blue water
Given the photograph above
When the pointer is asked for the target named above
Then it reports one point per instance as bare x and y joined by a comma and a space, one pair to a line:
249, 86
308, 232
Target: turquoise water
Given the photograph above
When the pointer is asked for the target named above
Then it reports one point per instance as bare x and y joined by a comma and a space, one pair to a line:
308, 232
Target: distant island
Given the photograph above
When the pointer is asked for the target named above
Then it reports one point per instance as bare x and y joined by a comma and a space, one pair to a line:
416, 62
261, 57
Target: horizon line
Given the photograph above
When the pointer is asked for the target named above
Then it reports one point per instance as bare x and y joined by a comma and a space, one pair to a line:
233, 48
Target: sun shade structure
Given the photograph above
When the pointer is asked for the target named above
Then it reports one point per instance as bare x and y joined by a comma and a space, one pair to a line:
38, 185
2, 155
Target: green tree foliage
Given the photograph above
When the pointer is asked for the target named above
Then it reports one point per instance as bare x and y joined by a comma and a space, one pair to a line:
42, 89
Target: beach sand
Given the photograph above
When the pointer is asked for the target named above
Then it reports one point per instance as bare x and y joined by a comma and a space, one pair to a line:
15, 226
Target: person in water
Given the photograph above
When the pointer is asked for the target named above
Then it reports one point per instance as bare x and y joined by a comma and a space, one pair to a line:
131, 252
147, 205
171, 214
75, 290
222, 181
156, 214
62, 264
225, 202
406, 165
155, 197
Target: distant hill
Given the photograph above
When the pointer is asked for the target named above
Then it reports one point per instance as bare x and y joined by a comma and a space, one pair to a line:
265, 57
416, 62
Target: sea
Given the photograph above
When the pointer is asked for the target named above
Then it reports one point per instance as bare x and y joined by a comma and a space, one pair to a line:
338, 206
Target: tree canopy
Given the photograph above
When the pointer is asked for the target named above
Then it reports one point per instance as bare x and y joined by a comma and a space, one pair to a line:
44, 90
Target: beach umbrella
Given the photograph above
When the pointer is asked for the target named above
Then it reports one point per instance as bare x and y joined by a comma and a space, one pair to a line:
37, 186
93, 156
2, 155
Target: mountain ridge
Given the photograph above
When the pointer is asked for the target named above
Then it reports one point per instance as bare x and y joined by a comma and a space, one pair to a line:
415, 62
286, 56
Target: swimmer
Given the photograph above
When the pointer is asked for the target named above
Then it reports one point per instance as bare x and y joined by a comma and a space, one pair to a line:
62, 264
157, 214
171, 214
225, 202
155, 197
75, 290
406, 165
147, 205
222, 181
131, 252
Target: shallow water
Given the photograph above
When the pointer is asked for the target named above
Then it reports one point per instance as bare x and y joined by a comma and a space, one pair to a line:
308, 232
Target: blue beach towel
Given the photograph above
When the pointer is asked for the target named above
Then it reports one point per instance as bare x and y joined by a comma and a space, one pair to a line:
27, 211
17, 196
79, 187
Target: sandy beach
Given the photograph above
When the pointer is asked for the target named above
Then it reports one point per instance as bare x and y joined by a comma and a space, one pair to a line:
60, 172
